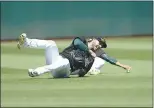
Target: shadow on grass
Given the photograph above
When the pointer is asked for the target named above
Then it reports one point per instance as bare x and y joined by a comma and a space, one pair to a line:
51, 78
74, 77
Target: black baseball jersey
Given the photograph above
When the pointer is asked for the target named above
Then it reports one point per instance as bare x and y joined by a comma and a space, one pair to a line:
79, 60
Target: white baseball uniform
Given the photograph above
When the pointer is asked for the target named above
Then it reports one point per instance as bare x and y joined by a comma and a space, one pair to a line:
55, 63
98, 63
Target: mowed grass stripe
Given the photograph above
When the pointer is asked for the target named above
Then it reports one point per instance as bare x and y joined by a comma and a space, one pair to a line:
117, 53
78, 102
140, 69
83, 97
135, 50
122, 40
22, 61
13, 75
26, 61
111, 44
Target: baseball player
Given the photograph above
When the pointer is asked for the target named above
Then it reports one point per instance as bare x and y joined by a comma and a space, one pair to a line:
102, 57
76, 59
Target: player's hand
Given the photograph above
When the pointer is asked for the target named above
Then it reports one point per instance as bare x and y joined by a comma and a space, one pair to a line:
128, 68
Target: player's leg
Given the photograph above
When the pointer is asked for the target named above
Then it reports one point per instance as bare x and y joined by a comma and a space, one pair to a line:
98, 63
23, 41
60, 68
51, 50
62, 72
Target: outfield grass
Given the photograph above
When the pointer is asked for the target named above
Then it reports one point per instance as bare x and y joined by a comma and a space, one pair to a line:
113, 87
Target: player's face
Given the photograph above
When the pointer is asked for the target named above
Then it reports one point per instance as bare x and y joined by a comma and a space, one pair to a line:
95, 44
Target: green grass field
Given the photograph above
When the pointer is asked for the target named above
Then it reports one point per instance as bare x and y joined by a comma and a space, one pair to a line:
113, 88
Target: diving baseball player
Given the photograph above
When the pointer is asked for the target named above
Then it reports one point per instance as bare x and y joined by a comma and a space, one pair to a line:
102, 57
76, 59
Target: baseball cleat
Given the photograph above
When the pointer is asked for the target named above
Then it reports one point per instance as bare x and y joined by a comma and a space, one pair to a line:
21, 40
32, 73
94, 71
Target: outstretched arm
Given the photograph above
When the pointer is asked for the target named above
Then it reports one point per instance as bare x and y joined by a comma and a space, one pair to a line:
114, 62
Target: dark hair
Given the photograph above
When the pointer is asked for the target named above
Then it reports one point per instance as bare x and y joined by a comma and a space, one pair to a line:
102, 42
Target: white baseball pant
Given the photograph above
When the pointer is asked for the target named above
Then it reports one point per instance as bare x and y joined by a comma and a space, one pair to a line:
55, 63
98, 63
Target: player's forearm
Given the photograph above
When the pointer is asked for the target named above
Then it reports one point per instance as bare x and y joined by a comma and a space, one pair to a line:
113, 61
127, 67
120, 65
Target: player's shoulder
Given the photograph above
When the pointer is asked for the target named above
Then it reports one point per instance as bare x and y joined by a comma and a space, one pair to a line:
82, 38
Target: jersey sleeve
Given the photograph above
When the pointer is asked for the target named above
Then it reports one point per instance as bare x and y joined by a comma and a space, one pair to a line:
108, 59
99, 52
80, 45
